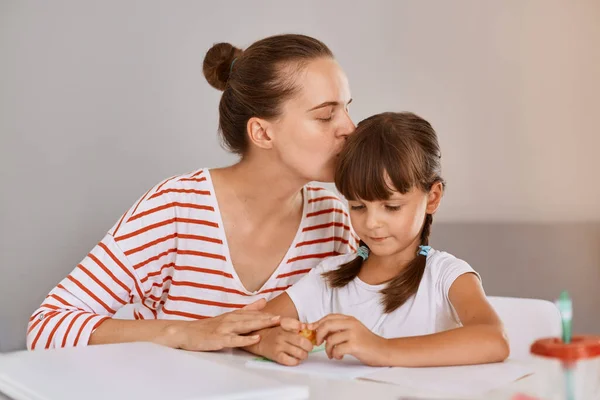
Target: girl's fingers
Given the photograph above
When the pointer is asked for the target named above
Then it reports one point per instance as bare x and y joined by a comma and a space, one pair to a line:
315, 325
333, 325
341, 350
299, 341
334, 340
291, 325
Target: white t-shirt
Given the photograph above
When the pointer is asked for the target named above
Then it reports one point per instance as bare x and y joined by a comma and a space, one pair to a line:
428, 311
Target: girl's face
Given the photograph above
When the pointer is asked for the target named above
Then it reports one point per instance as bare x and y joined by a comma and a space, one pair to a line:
314, 123
392, 227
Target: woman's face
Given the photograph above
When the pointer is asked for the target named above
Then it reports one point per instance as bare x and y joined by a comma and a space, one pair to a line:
314, 124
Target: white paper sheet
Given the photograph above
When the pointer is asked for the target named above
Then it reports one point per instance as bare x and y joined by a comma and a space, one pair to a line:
472, 380
123, 371
318, 364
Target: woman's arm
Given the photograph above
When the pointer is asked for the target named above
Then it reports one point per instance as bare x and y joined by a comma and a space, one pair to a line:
79, 310
129, 266
215, 333
90, 295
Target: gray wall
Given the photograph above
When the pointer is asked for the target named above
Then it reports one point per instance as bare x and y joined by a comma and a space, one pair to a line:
524, 259
101, 100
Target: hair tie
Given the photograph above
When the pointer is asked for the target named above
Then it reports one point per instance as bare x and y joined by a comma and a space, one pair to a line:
231, 66
424, 250
363, 251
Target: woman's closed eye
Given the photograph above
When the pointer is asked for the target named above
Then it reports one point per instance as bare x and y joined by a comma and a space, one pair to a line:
392, 208
325, 119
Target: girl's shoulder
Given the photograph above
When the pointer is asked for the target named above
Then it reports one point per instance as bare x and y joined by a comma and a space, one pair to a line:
443, 267
332, 263
441, 259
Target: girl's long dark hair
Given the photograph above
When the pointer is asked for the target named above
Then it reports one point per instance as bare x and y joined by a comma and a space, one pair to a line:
403, 148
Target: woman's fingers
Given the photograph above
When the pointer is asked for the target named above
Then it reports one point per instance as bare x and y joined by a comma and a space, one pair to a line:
233, 340
244, 314
243, 323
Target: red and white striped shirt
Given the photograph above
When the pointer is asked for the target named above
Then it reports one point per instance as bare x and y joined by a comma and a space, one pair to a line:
168, 256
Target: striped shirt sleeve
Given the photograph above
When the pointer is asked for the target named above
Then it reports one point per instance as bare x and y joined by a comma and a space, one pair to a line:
101, 284
106, 279
343, 229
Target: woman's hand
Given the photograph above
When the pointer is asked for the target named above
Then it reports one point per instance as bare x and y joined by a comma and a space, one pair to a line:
345, 335
225, 330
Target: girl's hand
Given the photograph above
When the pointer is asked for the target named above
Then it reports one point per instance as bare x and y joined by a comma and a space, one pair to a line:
346, 335
284, 344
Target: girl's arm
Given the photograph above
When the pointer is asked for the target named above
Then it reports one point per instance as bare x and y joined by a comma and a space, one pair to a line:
480, 340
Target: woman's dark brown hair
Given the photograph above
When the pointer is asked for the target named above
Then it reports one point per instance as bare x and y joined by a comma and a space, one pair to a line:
256, 81
403, 147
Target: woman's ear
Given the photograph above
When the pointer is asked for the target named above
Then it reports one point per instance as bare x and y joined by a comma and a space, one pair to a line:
434, 197
258, 133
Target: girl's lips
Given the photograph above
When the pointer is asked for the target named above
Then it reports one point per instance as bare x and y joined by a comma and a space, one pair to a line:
378, 239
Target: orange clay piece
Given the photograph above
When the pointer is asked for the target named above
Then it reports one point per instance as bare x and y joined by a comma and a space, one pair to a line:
310, 335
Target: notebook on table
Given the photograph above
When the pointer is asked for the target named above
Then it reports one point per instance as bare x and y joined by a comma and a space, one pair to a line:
131, 371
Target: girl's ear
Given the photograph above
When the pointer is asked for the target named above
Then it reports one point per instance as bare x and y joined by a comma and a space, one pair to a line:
434, 197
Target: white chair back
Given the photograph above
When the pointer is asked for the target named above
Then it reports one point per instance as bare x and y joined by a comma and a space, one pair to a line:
525, 321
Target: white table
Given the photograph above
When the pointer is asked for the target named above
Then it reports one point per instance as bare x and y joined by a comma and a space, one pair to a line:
327, 389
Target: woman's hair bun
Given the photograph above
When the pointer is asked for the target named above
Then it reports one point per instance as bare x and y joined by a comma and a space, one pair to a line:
217, 64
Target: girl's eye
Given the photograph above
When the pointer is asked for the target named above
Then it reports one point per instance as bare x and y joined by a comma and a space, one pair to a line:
326, 119
392, 208
356, 208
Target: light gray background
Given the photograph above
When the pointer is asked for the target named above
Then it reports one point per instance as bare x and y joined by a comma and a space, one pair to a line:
101, 100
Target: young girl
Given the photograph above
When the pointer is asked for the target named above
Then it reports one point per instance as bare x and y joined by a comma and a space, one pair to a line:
397, 302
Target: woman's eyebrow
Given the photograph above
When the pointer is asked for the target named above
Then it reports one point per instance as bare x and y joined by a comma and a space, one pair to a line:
327, 104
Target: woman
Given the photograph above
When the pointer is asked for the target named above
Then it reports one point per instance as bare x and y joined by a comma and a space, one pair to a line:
198, 254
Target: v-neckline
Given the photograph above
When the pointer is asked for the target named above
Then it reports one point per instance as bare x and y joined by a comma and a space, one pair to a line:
227, 253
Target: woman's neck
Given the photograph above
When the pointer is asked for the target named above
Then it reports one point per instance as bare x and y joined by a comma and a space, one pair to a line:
263, 188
